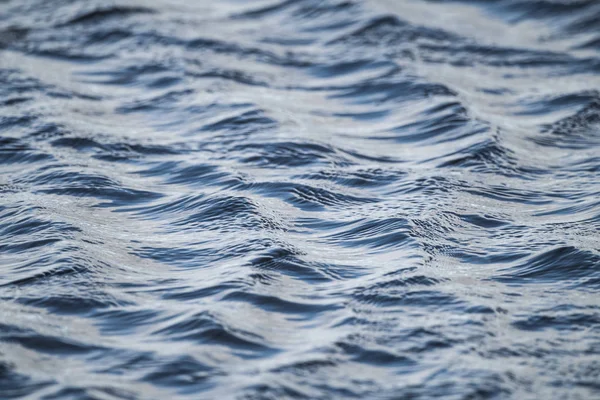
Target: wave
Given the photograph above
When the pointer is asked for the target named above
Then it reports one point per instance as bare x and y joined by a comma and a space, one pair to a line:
299, 199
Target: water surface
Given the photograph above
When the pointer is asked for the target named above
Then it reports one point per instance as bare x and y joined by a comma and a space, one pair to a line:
312, 199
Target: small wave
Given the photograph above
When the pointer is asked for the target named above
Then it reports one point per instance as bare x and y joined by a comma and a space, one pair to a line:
560, 264
299, 199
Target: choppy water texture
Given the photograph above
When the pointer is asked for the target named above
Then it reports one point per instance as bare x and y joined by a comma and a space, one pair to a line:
315, 199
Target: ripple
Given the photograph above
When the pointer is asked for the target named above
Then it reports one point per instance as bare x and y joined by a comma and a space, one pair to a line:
563, 263
299, 199
101, 15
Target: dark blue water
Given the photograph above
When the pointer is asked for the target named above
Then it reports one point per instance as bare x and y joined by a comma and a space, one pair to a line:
318, 199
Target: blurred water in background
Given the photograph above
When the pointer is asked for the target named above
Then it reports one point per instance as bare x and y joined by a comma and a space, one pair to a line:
313, 199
